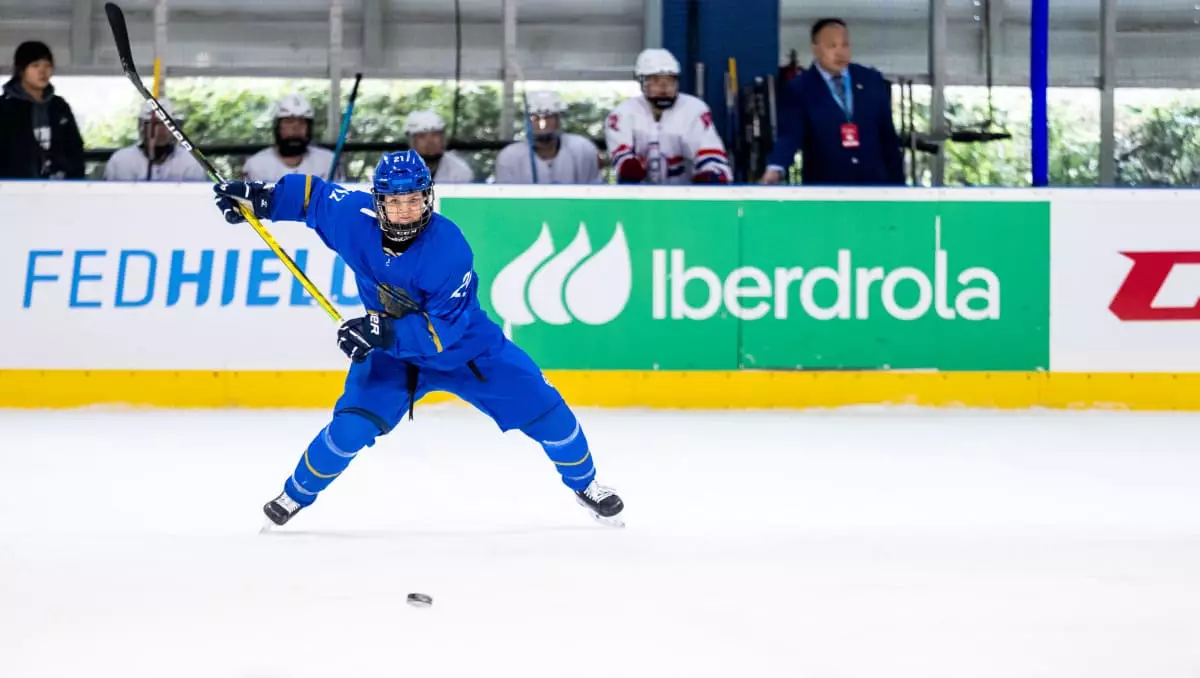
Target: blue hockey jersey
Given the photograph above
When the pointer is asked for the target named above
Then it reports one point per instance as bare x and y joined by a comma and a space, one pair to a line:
431, 288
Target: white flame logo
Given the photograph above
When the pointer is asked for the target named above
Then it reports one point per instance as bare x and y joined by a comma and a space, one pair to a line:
573, 284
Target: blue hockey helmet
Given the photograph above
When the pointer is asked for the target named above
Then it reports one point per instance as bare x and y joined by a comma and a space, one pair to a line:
402, 173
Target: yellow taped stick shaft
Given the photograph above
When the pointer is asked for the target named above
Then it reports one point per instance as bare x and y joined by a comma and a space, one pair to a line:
289, 264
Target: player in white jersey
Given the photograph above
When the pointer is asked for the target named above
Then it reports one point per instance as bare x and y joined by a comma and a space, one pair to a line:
561, 157
293, 152
155, 157
426, 133
664, 136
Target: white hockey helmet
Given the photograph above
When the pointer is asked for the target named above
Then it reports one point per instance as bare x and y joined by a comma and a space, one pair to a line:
656, 61
292, 106
147, 111
424, 121
545, 103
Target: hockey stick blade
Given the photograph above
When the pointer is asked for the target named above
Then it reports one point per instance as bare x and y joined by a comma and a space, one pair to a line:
116, 21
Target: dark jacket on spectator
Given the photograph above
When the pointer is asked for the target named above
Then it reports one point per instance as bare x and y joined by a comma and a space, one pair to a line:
810, 120
21, 155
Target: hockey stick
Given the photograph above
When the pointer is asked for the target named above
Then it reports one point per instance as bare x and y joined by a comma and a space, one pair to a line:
156, 89
529, 134
341, 142
116, 20
732, 102
528, 122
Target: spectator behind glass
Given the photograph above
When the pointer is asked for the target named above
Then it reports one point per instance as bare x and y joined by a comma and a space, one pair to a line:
839, 116
155, 157
39, 138
664, 136
426, 132
293, 151
561, 157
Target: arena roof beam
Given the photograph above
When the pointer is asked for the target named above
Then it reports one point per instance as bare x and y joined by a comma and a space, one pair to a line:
508, 65
652, 29
81, 32
333, 117
372, 37
937, 79
1108, 86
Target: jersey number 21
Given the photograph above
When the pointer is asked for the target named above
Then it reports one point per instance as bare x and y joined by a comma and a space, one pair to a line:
462, 289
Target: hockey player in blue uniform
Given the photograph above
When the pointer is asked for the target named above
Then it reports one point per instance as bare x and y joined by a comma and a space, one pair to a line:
423, 329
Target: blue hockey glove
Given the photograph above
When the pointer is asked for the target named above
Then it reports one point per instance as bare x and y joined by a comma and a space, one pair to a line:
256, 193
360, 336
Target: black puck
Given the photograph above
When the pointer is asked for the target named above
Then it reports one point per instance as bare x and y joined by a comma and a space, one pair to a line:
419, 600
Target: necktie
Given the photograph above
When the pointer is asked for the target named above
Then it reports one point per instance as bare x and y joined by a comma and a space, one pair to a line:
839, 91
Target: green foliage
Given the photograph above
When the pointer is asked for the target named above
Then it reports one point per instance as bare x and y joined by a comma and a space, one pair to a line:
226, 111
1162, 148
1157, 145
993, 163
1074, 138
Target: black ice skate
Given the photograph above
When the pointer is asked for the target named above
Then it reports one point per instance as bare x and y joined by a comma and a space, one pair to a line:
281, 509
604, 504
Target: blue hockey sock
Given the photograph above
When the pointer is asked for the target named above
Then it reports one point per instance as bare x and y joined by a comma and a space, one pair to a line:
330, 452
561, 436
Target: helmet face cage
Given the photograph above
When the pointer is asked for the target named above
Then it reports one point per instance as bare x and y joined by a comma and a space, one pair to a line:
308, 126
660, 102
404, 232
291, 146
537, 121
402, 173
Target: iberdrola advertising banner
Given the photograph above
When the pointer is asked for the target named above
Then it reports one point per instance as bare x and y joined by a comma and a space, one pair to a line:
723, 284
584, 282
592, 279
912, 285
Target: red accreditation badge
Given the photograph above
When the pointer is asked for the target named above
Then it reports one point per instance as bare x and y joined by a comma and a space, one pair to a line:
849, 135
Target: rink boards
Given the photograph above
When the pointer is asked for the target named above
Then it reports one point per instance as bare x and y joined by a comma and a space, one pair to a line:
702, 297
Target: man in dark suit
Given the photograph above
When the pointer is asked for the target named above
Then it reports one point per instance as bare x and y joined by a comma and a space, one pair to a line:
839, 115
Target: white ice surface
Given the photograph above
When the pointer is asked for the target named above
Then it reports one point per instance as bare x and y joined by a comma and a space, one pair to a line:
877, 543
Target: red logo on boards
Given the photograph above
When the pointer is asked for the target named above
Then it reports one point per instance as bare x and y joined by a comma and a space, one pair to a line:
1145, 279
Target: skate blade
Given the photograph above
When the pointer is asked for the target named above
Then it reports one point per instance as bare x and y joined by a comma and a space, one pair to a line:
268, 526
613, 522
